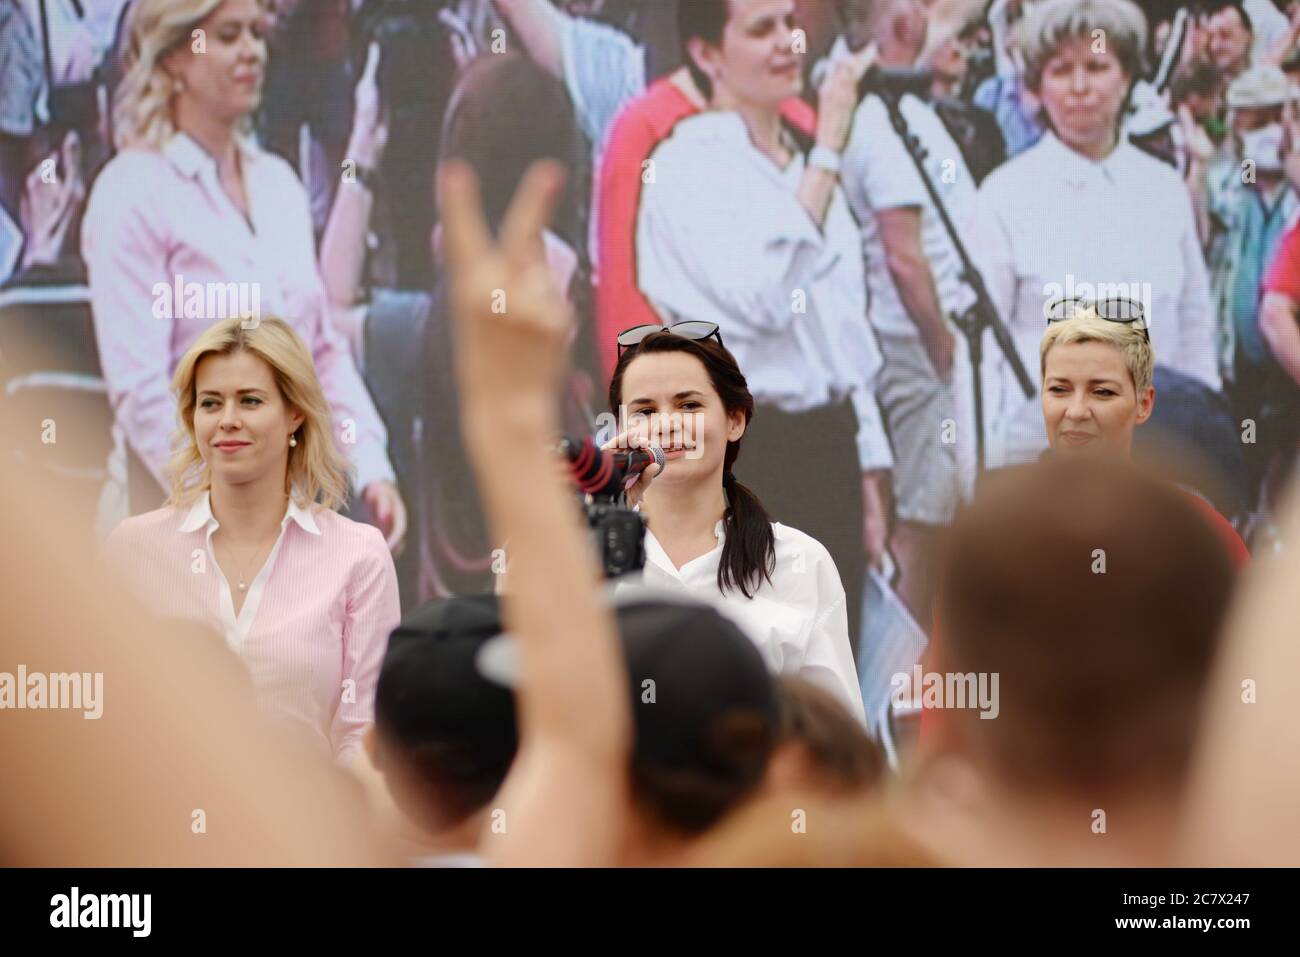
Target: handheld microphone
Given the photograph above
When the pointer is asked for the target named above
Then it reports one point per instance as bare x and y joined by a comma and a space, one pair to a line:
602, 473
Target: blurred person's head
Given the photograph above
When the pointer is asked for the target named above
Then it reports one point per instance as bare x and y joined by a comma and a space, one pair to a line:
189, 62
505, 114
1097, 389
897, 27
948, 41
1256, 98
1095, 594
820, 21
822, 749
705, 714
444, 736
690, 397
741, 52
1081, 59
706, 717
1231, 35
1200, 85
252, 413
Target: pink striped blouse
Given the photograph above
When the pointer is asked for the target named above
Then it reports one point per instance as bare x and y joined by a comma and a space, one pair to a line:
314, 626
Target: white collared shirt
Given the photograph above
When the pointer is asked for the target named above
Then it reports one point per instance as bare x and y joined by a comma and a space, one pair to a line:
798, 621
1052, 222
722, 237
316, 620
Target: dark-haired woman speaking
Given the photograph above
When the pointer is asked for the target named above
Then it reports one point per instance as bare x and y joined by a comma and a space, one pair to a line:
710, 535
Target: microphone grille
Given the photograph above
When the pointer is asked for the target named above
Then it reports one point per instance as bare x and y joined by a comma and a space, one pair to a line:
657, 453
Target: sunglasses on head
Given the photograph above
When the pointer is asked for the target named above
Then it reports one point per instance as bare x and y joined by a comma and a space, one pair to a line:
1112, 310
695, 329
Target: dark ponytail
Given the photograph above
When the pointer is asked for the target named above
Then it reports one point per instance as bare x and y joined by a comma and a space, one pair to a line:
749, 552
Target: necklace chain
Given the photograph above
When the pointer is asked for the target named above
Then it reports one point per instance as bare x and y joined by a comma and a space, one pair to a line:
243, 585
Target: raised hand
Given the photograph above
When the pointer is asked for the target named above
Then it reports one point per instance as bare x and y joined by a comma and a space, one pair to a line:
48, 208
837, 98
369, 128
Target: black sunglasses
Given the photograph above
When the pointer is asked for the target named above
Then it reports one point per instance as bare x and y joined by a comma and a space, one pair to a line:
1112, 310
696, 329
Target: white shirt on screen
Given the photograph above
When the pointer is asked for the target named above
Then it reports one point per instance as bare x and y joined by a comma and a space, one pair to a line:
315, 623
722, 237
1269, 25
798, 621
879, 174
604, 69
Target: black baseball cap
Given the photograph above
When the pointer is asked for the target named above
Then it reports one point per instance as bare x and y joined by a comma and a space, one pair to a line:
692, 673
430, 692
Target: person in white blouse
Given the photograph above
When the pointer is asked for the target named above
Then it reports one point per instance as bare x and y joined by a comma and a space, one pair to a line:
1085, 214
738, 228
191, 223
250, 543
708, 534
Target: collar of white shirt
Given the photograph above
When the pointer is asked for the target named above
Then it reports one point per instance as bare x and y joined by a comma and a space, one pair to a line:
190, 158
655, 554
1078, 170
200, 516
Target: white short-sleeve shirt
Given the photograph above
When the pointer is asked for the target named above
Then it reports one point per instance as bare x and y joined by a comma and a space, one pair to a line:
879, 174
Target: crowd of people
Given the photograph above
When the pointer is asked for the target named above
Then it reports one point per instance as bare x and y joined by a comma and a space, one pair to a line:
1002, 303
567, 724
730, 162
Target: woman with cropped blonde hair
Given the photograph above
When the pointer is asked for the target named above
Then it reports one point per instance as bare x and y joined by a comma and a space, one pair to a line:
250, 542
191, 223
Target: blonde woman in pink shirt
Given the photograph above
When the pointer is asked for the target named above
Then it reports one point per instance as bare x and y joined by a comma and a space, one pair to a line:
250, 543
192, 223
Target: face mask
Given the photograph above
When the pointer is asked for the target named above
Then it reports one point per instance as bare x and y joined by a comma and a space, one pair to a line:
1264, 146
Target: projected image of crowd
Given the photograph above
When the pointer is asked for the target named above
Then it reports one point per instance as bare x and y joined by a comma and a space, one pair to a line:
978, 313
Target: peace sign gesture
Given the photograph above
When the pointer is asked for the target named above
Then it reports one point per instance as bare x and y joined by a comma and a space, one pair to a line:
512, 325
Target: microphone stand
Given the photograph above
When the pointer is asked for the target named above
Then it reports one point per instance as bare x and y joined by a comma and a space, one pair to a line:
982, 315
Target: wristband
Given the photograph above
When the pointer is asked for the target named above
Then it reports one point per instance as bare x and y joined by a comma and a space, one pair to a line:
364, 176
823, 158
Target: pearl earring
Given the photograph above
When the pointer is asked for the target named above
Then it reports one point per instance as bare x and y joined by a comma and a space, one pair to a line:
293, 441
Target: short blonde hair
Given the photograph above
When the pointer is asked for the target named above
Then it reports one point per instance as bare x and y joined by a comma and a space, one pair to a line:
142, 110
1046, 25
1125, 336
317, 470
